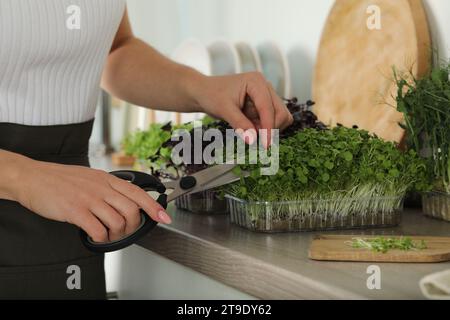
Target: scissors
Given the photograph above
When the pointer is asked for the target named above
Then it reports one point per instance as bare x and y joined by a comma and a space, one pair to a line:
207, 179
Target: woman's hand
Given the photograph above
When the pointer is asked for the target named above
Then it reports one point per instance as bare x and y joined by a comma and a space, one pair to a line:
104, 206
225, 98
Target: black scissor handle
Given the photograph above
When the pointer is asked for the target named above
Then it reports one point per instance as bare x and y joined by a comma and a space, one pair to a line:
147, 183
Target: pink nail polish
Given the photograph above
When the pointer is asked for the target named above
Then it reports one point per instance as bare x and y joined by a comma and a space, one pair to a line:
164, 217
250, 136
264, 140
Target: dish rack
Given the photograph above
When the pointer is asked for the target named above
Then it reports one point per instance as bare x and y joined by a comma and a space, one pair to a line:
316, 215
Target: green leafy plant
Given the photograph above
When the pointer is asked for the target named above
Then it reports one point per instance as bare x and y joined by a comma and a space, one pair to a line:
144, 144
149, 147
337, 171
319, 162
384, 245
153, 147
425, 104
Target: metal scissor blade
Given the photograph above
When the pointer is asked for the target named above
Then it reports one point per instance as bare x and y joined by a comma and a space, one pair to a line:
223, 180
204, 178
208, 175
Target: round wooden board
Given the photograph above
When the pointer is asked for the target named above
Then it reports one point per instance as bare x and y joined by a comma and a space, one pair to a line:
353, 81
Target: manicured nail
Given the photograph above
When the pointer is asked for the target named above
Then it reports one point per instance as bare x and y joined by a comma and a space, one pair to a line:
250, 136
164, 217
264, 140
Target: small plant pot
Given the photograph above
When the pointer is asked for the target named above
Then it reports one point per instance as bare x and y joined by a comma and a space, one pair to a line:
206, 202
315, 215
437, 205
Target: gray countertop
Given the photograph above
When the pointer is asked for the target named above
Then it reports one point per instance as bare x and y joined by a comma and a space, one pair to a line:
276, 266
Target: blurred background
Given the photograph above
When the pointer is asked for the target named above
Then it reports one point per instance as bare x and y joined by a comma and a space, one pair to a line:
292, 26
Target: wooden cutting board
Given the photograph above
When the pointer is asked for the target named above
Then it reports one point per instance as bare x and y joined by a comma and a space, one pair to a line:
353, 77
336, 248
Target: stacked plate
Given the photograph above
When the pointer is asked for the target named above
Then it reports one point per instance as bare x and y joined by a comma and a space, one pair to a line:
222, 57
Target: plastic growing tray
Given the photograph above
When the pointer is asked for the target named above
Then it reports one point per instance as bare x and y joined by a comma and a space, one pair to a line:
437, 205
206, 202
316, 215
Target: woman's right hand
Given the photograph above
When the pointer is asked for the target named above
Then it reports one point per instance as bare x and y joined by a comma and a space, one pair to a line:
106, 207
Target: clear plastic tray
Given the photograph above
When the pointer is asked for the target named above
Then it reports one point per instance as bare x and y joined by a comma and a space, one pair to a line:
206, 202
316, 215
436, 205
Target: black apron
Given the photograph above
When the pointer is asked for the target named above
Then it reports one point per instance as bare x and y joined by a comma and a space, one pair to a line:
39, 258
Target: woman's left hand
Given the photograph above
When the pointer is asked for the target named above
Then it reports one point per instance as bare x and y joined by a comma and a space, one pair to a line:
225, 98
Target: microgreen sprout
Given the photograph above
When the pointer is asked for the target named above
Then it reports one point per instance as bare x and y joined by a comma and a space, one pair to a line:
425, 105
384, 245
335, 172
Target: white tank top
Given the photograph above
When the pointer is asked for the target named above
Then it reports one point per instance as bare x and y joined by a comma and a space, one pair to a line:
52, 53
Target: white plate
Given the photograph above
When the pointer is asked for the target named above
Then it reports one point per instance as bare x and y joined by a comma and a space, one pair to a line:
194, 54
249, 57
275, 68
224, 58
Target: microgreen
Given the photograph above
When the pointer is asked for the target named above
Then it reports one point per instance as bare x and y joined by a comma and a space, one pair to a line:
384, 245
339, 160
425, 104
153, 147
340, 171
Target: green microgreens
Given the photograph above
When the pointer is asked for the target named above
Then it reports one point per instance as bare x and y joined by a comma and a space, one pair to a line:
335, 173
384, 245
342, 161
425, 104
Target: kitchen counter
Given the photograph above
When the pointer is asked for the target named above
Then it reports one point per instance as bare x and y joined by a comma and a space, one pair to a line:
276, 266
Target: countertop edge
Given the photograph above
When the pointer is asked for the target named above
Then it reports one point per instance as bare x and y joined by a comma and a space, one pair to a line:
245, 273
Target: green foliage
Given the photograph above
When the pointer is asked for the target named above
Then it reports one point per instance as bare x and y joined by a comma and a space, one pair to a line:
332, 164
149, 146
384, 245
153, 147
425, 104
144, 144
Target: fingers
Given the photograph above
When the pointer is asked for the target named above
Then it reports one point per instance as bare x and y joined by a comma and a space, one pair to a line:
251, 112
127, 208
141, 198
91, 225
258, 91
238, 120
283, 118
110, 218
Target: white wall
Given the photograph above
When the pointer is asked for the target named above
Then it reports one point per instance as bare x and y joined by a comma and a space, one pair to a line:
438, 12
295, 24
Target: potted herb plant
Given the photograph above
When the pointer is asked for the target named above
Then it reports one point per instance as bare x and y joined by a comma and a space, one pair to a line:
425, 104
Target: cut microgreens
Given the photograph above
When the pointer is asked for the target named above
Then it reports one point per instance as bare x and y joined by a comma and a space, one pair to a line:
384, 245
425, 104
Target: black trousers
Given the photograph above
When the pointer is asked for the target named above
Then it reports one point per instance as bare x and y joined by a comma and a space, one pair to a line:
39, 258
